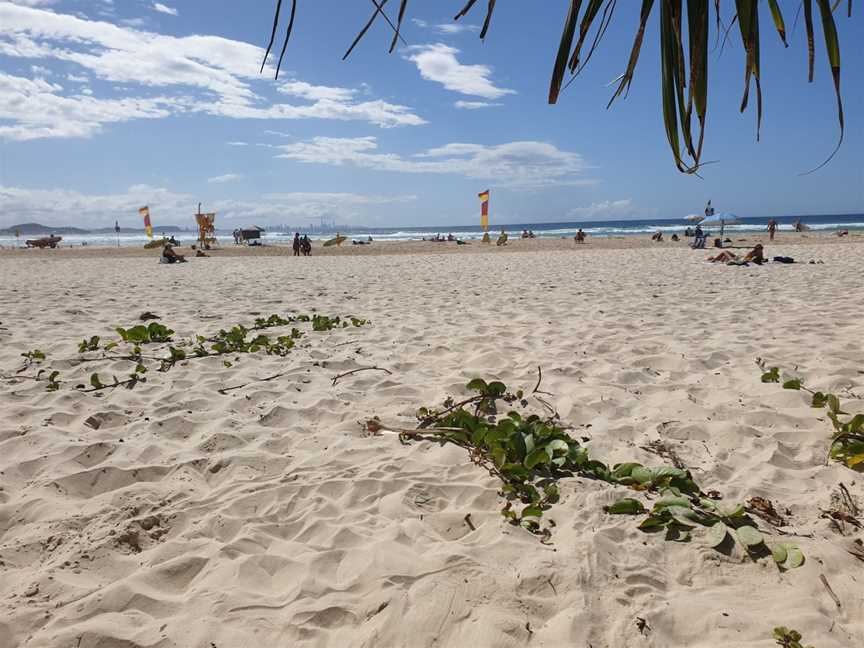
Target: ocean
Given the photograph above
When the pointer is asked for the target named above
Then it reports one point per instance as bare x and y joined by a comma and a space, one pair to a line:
815, 222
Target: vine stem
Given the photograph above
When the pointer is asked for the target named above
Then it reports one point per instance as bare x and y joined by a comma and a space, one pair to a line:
225, 390
358, 370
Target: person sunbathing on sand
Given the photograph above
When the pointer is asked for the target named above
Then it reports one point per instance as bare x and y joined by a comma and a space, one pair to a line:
502, 238
755, 255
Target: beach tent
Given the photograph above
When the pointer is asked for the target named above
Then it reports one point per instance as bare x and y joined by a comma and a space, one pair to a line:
694, 218
722, 219
251, 233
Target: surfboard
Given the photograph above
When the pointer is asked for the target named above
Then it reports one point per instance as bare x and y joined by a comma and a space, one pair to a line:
335, 241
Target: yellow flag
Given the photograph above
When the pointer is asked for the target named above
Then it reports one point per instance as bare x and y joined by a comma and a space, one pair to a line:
148, 228
484, 209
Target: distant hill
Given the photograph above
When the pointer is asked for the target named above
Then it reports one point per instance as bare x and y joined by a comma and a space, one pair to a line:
157, 229
38, 229
31, 229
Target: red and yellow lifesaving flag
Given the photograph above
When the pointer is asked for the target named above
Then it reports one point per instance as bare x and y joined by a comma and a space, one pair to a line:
484, 209
148, 227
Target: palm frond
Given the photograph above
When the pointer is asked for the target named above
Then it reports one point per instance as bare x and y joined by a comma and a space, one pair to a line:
684, 70
627, 77
777, 17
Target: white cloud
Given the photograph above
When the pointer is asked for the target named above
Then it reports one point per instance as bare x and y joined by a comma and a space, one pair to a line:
447, 28
316, 93
228, 177
456, 28
65, 207
610, 210
474, 105
161, 8
36, 109
203, 74
437, 62
523, 164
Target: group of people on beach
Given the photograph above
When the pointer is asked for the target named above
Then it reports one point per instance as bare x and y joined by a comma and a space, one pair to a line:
301, 245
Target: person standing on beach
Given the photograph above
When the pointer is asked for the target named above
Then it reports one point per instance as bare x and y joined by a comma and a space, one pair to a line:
772, 228
296, 244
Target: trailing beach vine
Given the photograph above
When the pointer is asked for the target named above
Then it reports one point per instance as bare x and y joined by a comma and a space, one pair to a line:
132, 341
788, 638
847, 440
530, 454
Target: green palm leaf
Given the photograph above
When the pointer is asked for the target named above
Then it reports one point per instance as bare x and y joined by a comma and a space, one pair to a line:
678, 102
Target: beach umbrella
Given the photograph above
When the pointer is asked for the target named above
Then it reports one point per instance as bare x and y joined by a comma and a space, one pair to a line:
722, 219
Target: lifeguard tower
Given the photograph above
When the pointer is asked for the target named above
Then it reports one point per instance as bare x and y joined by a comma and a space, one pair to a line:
206, 229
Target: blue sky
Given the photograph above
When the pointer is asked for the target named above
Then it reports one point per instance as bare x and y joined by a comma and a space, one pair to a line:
107, 105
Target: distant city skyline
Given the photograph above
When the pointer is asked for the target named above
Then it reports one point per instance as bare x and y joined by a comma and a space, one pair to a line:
106, 107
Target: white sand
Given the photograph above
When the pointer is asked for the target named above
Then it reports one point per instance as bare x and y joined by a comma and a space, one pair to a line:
265, 517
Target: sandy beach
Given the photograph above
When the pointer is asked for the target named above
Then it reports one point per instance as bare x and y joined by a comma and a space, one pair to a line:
737, 240
178, 515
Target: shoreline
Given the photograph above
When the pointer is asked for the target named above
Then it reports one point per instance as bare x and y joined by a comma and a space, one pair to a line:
386, 248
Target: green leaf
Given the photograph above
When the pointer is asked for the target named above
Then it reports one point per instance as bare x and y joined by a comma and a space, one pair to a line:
532, 511
736, 511
819, 400
778, 552
749, 536
499, 456
653, 523
557, 447
642, 475
787, 555
833, 404
771, 376
622, 470
671, 500
855, 424
479, 435
777, 16
535, 458
478, 385
683, 515
551, 493
495, 388
716, 535
626, 506
95, 382
675, 533
794, 557
564, 50
795, 383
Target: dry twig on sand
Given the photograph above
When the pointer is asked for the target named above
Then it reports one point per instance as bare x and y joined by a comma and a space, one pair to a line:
358, 370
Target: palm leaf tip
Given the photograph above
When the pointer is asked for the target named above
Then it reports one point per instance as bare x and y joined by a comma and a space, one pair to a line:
564, 50
684, 65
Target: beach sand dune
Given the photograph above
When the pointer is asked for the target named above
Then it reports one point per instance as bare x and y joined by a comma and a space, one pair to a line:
173, 515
